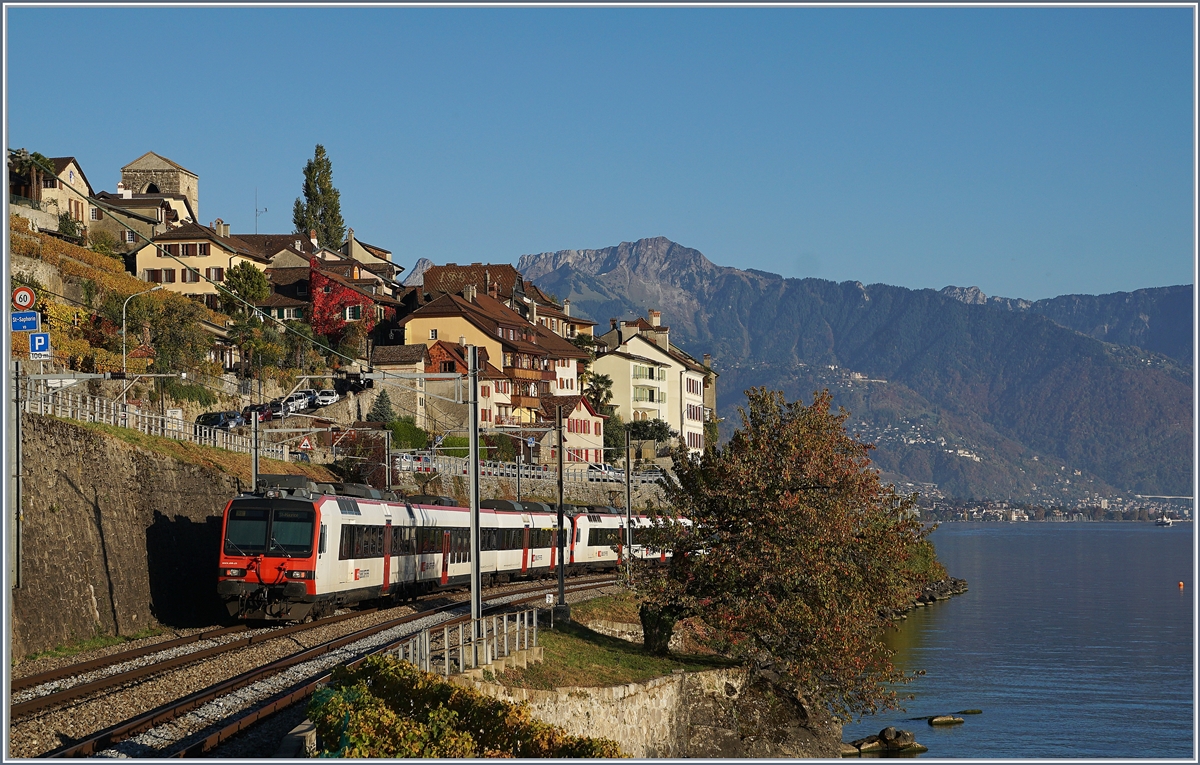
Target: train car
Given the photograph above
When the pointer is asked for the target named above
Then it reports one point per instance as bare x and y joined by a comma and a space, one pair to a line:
598, 538
297, 550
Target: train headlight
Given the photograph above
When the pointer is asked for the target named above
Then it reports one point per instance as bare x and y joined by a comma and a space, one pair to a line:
274, 493
299, 575
233, 572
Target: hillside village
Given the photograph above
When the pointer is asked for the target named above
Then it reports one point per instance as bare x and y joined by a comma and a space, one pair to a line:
329, 310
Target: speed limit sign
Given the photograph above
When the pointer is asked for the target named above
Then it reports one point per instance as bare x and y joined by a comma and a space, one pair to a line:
23, 298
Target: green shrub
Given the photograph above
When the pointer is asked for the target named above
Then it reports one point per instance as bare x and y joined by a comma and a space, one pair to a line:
406, 434
389, 708
459, 446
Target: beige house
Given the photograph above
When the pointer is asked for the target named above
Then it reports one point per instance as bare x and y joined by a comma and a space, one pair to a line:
375, 259
188, 259
407, 395
131, 221
653, 379
532, 358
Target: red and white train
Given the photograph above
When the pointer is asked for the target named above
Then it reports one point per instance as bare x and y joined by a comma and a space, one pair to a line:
296, 550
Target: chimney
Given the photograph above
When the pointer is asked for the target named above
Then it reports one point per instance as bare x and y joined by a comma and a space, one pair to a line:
708, 361
350, 242
567, 307
612, 323
655, 318
123, 192
312, 237
468, 293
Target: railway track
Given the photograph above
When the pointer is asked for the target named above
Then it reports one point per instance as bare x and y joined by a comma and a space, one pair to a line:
285, 680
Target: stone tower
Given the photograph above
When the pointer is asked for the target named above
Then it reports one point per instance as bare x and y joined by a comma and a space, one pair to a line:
152, 174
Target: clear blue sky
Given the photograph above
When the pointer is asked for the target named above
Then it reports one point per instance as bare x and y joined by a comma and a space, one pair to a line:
1031, 152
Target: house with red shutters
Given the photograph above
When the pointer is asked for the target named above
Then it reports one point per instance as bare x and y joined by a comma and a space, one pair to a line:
583, 431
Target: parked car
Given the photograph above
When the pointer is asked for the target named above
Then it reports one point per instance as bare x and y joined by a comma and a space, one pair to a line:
297, 402
221, 420
278, 408
309, 394
327, 397
262, 410
604, 472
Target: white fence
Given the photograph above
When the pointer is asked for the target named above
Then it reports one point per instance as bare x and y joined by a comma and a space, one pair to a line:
428, 462
36, 397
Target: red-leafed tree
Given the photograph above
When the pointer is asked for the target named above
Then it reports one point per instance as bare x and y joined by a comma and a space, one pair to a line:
798, 556
330, 299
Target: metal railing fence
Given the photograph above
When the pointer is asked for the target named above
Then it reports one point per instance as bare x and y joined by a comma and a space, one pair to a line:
38, 398
462, 648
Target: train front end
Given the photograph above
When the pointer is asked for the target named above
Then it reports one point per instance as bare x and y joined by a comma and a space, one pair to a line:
268, 558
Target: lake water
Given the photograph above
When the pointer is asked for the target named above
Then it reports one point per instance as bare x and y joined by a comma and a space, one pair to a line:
1074, 639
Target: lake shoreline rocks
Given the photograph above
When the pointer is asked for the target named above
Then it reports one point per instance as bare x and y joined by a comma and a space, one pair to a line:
890, 740
933, 592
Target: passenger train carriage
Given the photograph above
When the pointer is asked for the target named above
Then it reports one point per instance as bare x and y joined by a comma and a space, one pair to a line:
297, 550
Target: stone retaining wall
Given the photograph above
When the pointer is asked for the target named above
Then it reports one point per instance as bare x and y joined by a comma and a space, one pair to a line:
717, 713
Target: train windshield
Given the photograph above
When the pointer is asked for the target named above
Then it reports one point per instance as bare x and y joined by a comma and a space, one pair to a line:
276, 528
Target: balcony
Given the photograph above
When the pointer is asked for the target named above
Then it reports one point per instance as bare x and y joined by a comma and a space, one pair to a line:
522, 402
517, 373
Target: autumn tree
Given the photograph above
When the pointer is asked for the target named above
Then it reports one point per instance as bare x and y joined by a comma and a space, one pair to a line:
796, 558
321, 208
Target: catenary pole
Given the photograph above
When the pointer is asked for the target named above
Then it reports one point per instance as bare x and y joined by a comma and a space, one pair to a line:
562, 570
473, 452
254, 467
628, 510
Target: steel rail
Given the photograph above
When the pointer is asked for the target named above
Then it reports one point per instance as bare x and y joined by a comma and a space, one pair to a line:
41, 678
59, 698
143, 722
306, 688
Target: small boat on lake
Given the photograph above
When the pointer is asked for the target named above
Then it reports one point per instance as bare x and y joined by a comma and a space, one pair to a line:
1163, 521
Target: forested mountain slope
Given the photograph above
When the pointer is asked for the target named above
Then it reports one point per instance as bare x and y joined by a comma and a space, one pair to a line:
1010, 387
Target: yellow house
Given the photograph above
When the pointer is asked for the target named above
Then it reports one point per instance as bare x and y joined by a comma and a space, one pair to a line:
188, 259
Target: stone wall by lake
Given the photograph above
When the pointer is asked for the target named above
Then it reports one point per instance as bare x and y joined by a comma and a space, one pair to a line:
717, 713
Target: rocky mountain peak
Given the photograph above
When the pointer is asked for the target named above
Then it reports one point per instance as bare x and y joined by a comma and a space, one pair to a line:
416, 277
649, 258
968, 295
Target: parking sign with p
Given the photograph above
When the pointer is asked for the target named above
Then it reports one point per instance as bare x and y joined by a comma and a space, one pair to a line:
39, 346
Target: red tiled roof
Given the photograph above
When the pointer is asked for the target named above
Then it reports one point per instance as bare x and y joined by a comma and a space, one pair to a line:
268, 245
451, 278
399, 354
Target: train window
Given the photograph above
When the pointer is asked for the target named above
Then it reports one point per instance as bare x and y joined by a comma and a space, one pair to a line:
246, 531
291, 532
348, 506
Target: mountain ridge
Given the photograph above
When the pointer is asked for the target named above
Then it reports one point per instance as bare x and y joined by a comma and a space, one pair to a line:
1000, 368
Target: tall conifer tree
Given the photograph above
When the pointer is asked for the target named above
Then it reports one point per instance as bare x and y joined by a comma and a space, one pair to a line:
321, 208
